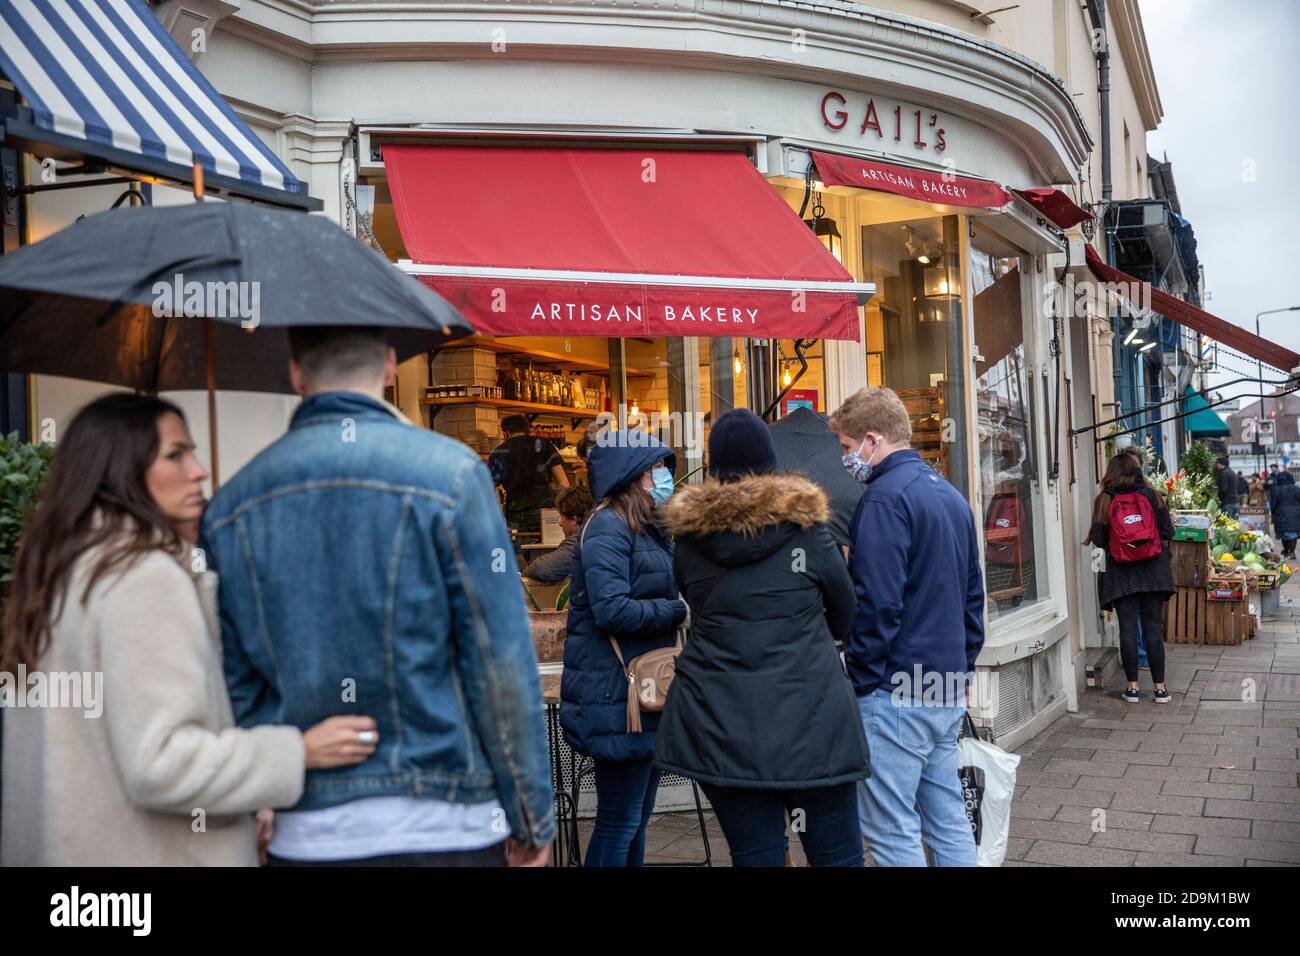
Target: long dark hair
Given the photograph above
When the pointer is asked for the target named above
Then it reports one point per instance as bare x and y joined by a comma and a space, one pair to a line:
1123, 473
634, 504
95, 496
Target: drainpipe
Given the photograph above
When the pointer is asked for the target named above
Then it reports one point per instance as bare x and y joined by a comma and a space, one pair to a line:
1097, 14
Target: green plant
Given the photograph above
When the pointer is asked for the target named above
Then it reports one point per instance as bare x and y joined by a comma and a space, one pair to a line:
1198, 462
23, 469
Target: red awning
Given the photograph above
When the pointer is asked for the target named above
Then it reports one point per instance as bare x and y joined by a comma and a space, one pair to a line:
920, 184
1055, 206
1184, 313
615, 242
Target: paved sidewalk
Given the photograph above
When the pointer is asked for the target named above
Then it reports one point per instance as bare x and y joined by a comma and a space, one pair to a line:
1207, 780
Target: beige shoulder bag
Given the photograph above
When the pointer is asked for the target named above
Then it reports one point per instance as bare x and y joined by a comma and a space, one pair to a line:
650, 675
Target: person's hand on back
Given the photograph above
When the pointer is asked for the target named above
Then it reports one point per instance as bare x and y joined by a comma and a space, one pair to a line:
340, 742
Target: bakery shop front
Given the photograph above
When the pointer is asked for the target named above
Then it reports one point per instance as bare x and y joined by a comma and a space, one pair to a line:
658, 233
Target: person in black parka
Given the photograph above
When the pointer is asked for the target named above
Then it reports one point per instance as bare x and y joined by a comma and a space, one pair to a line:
761, 712
621, 588
1135, 589
1284, 503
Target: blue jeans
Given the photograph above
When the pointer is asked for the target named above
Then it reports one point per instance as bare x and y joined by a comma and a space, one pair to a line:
625, 798
913, 784
753, 821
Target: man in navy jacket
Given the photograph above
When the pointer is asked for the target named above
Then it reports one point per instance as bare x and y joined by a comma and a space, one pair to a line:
919, 626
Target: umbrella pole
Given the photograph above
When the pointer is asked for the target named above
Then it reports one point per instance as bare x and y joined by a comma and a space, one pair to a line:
210, 370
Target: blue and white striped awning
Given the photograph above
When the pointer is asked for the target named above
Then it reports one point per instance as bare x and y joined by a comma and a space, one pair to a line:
103, 78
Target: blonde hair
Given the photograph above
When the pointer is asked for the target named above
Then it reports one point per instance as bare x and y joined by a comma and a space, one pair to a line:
877, 410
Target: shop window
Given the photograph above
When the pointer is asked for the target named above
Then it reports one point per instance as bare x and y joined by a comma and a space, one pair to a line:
914, 329
1009, 492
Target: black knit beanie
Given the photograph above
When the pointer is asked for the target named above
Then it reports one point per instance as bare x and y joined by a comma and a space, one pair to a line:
740, 445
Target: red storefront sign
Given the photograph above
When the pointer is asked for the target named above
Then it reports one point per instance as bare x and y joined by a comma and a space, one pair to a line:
528, 240
524, 307
928, 186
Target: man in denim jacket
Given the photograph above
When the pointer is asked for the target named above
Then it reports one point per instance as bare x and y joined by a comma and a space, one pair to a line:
366, 569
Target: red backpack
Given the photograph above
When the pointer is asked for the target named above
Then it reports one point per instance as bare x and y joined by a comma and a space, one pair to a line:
1134, 534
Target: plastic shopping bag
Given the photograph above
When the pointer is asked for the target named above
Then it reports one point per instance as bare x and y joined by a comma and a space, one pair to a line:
988, 782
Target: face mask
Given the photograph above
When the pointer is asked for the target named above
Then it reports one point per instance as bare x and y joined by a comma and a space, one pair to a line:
857, 468
663, 485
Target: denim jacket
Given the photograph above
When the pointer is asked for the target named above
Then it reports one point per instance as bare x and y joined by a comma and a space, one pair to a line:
366, 569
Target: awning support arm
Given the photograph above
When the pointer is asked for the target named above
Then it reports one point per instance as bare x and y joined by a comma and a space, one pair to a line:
1156, 405
1097, 440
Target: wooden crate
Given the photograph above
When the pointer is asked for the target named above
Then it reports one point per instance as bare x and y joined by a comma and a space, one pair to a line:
1185, 616
1190, 561
1191, 619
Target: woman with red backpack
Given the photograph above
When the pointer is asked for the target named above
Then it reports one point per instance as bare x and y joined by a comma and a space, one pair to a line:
1130, 523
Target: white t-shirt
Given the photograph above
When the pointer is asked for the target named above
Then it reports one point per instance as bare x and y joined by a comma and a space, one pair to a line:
380, 826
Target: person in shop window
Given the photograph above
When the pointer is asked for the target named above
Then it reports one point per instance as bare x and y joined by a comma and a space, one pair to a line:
915, 564
530, 470
574, 505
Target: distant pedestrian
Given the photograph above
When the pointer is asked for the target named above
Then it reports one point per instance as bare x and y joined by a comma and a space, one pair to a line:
1257, 494
1131, 524
919, 626
761, 712
622, 603
1227, 485
1284, 502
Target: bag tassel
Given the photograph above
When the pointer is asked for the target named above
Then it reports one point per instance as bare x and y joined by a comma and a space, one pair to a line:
633, 708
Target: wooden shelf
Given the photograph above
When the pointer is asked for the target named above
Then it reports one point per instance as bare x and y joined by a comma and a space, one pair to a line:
535, 408
568, 362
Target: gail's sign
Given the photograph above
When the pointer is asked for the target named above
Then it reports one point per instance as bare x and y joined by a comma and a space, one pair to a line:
888, 122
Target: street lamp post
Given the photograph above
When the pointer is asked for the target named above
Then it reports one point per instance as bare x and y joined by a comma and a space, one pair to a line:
1260, 366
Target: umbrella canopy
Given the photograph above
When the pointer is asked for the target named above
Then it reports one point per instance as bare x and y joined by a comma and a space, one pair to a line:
120, 297
805, 444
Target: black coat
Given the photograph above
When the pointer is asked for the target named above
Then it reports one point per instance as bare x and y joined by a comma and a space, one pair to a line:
1124, 578
1227, 486
1284, 502
760, 699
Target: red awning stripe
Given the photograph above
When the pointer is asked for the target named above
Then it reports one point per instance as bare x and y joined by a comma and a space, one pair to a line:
923, 184
1184, 313
1055, 205
657, 235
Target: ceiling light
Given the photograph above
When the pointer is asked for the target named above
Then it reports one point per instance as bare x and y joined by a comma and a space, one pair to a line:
1149, 345
1131, 336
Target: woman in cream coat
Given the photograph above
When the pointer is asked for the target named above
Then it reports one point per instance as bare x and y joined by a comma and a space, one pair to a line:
132, 757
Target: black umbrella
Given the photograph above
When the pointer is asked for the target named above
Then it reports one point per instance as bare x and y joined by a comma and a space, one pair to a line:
805, 443
119, 296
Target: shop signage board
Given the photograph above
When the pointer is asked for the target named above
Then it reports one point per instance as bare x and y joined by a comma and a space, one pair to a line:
925, 185
799, 398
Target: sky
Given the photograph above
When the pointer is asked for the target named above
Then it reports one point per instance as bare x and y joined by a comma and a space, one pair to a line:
1228, 72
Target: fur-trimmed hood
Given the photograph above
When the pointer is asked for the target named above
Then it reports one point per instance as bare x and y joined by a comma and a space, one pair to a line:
743, 521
